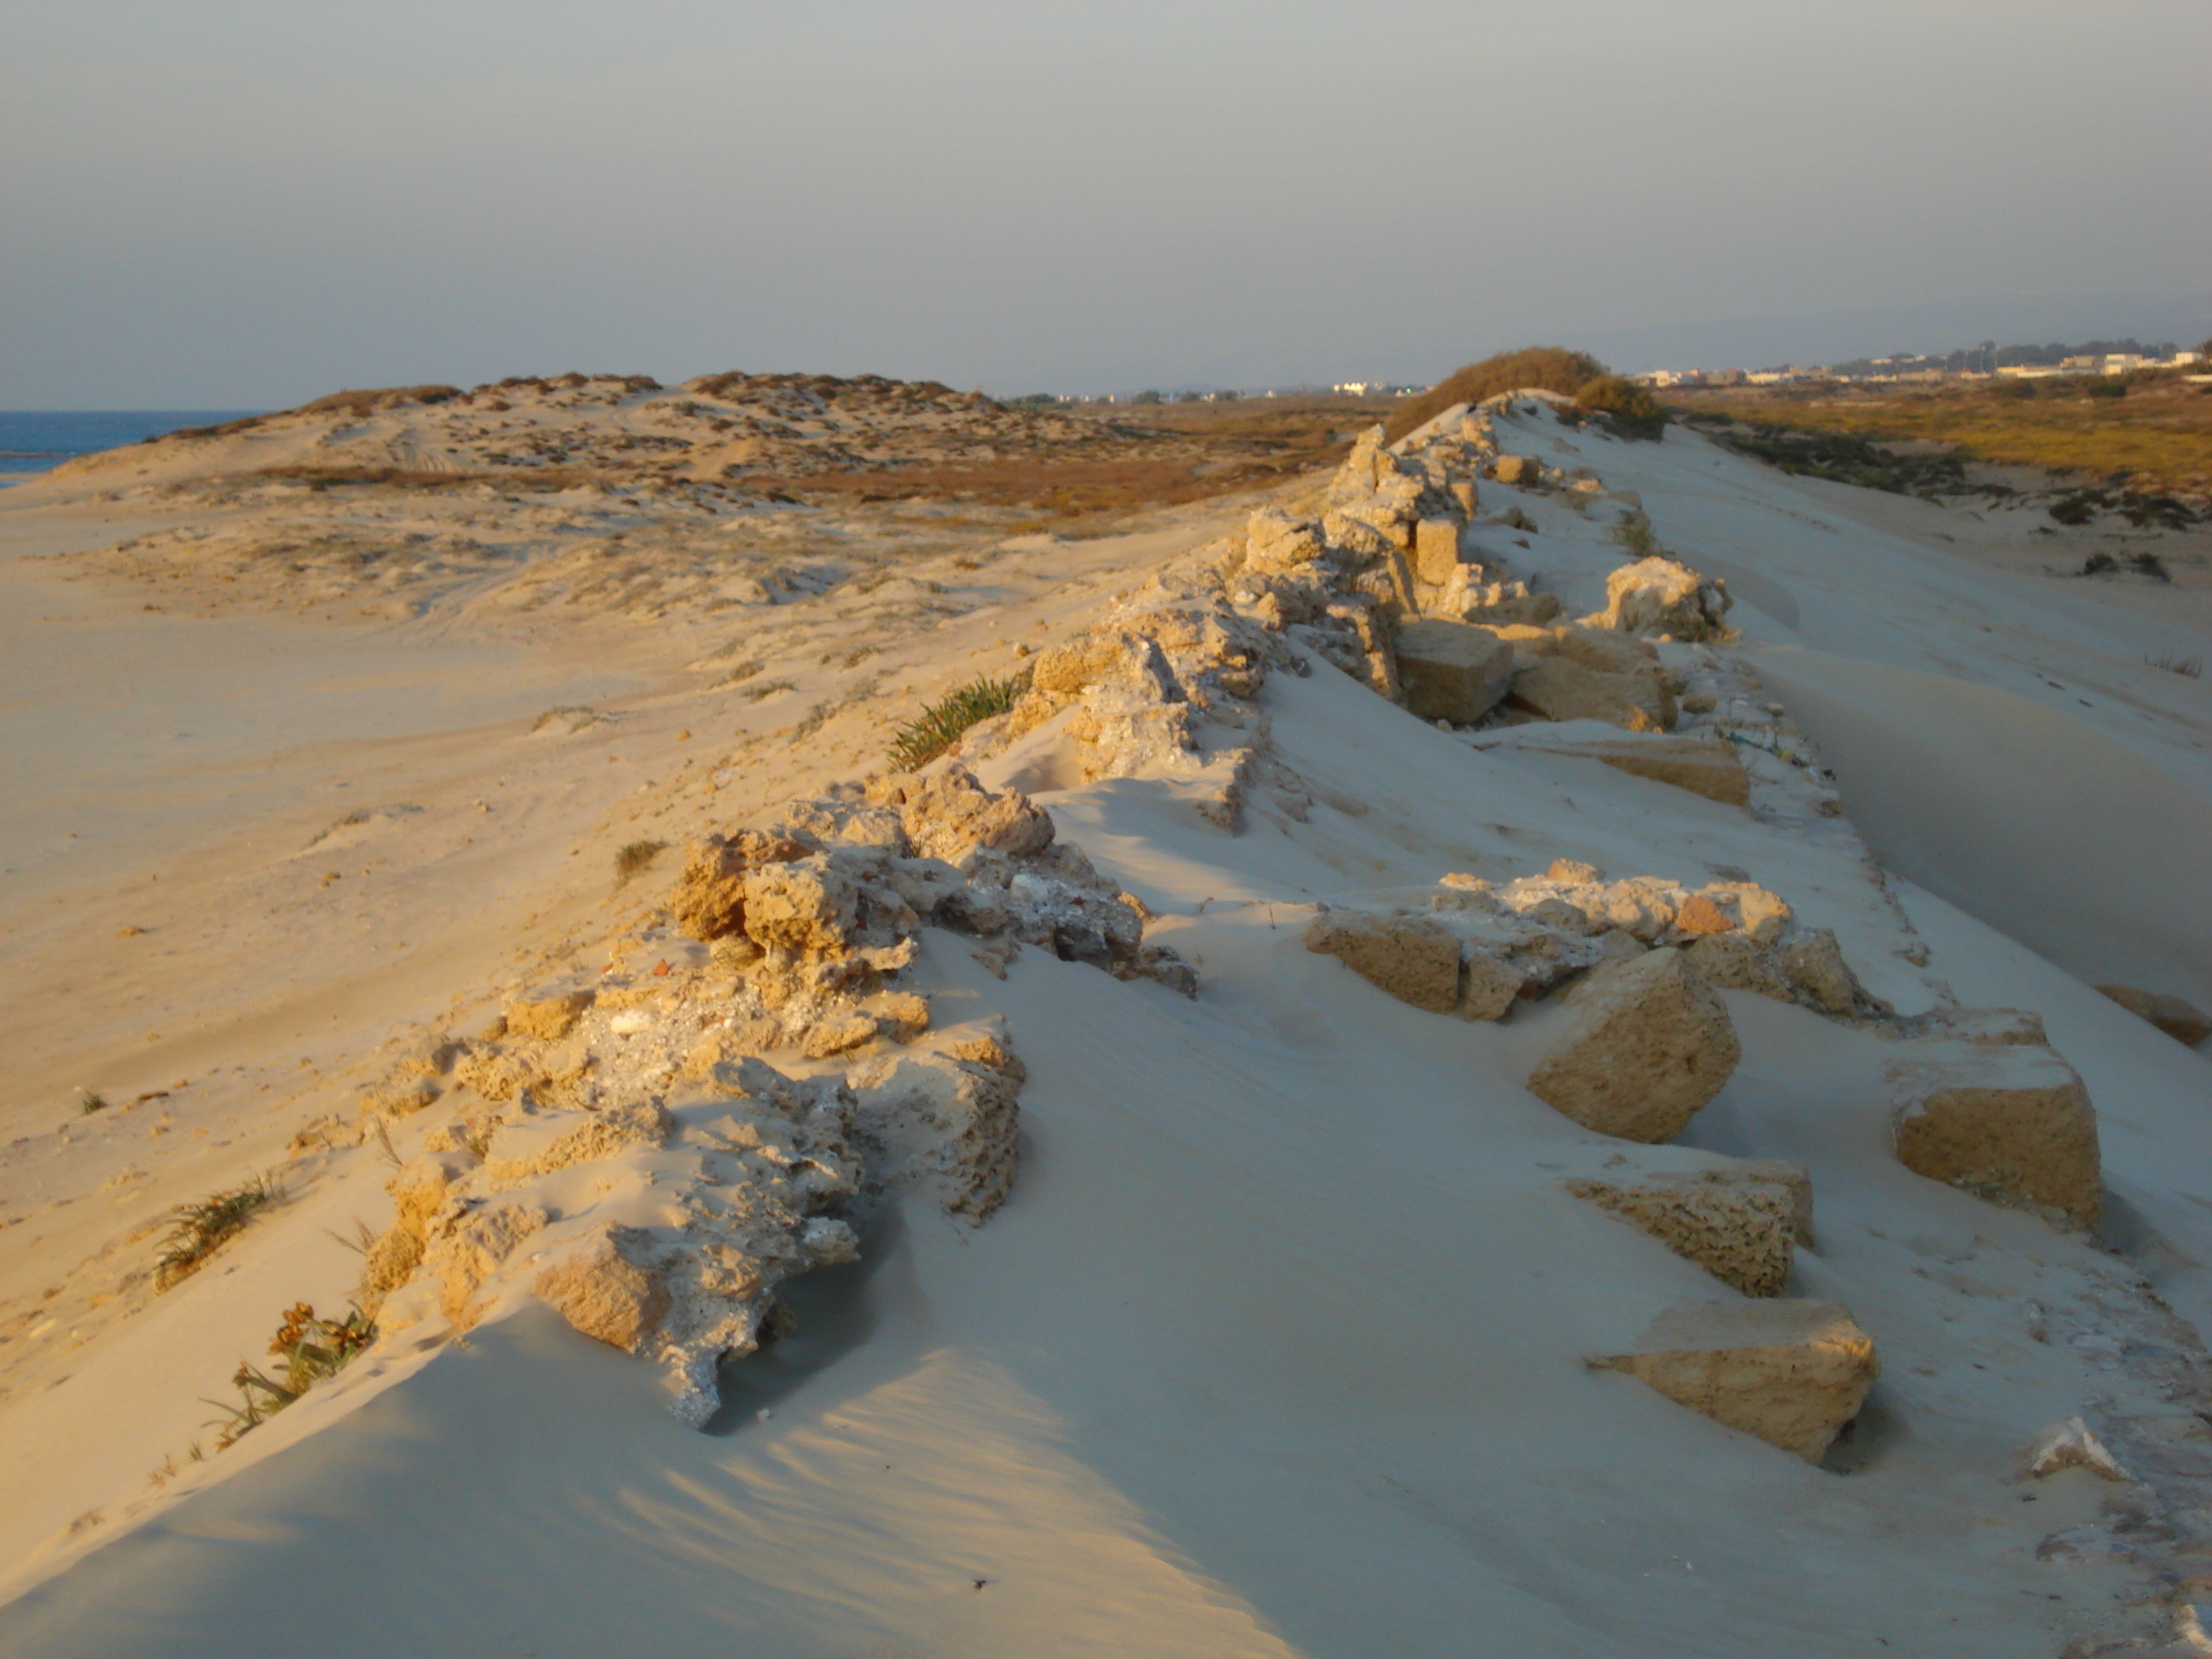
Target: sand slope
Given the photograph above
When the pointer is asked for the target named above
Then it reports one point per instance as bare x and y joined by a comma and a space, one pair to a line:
1278, 1348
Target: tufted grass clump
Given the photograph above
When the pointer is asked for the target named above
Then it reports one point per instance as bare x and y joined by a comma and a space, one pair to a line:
942, 723
199, 1229
311, 1350
635, 858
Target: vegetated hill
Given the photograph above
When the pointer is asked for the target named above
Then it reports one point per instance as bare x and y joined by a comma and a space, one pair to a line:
1553, 368
757, 435
2151, 432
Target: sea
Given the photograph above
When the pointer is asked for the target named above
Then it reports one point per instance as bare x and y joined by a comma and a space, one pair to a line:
34, 440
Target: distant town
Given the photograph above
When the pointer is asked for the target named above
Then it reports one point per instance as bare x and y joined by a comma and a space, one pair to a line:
1987, 361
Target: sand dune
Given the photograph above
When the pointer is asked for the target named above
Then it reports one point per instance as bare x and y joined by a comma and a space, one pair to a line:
1278, 1344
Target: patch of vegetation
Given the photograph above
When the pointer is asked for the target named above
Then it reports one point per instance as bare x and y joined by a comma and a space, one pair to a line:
2142, 564
570, 717
739, 675
943, 722
311, 1349
1554, 368
1844, 458
1630, 408
88, 1102
2190, 668
1635, 535
635, 858
199, 1229
2158, 438
755, 693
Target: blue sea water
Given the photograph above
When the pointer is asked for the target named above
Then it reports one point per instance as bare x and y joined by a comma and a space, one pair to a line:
34, 440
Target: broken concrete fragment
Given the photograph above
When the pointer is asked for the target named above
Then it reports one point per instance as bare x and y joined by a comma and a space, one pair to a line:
2071, 1444
1413, 958
2008, 1123
1452, 670
1792, 1373
1741, 1232
598, 1289
2179, 1020
1649, 1043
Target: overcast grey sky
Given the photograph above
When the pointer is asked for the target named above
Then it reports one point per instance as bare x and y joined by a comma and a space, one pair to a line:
241, 203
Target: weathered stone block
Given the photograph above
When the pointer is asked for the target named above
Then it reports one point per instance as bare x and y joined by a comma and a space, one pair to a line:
1742, 1230
1452, 670
1792, 1373
2008, 1122
1649, 1043
1557, 689
2182, 1021
1415, 959
1436, 549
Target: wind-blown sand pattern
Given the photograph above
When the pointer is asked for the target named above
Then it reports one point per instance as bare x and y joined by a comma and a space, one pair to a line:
1497, 1053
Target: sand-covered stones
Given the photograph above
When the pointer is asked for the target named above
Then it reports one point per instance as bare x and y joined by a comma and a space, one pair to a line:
1452, 670
1649, 1043
1741, 1225
1699, 765
2182, 1021
1791, 1373
2008, 1122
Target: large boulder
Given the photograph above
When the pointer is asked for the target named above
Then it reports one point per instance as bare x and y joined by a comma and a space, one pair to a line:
1660, 596
1741, 1226
2179, 1020
1452, 670
1792, 1373
1650, 1043
1414, 958
1557, 690
2008, 1122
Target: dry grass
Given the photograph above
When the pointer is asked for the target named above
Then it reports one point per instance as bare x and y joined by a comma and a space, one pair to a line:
1554, 368
2156, 437
199, 1229
1063, 489
636, 858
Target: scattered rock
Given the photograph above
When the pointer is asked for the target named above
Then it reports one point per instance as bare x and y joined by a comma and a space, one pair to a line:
1659, 596
2071, 1444
1520, 470
1651, 1043
547, 1016
598, 1289
1700, 765
1791, 1373
2008, 1122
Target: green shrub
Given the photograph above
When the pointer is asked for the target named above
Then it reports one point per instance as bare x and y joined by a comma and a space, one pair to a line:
1632, 408
310, 1348
942, 723
199, 1229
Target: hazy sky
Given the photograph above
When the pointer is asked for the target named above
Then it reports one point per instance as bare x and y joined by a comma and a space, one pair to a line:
229, 203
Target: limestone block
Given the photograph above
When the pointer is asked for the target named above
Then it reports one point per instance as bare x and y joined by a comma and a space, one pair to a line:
1650, 1043
2008, 1122
1436, 549
1452, 670
1605, 651
1275, 542
1415, 959
1741, 1232
1815, 963
2179, 1020
547, 1016
2071, 1444
1493, 986
1520, 470
1557, 689
810, 909
598, 1289
1792, 1373
1659, 596
1700, 765
1730, 962
1999, 1026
